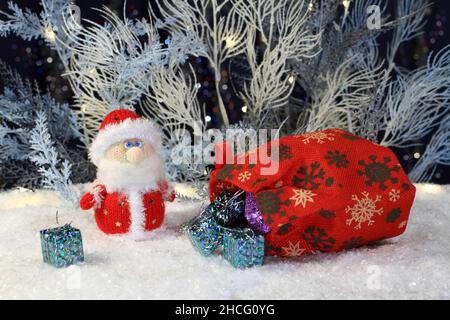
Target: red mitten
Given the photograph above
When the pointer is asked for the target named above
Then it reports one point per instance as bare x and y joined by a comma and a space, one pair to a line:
167, 190
93, 198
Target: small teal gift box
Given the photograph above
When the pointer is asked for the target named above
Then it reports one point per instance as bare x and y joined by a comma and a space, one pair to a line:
213, 228
205, 231
62, 246
243, 248
205, 234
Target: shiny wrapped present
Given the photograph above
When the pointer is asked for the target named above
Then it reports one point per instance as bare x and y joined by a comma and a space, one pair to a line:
62, 246
227, 208
204, 233
243, 247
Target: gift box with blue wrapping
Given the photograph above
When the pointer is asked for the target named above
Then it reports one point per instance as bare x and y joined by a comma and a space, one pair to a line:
223, 224
243, 247
62, 246
205, 231
205, 234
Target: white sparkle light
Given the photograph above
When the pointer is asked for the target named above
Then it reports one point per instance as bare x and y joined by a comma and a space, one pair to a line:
49, 34
230, 42
346, 4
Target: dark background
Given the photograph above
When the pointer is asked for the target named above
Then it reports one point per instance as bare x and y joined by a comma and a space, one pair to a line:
35, 61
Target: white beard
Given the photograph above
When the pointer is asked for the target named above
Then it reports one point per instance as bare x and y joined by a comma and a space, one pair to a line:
123, 177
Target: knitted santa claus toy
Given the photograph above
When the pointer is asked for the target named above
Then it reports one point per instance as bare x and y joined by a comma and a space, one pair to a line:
128, 195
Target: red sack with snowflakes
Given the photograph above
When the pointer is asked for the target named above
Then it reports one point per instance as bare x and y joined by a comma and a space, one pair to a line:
333, 190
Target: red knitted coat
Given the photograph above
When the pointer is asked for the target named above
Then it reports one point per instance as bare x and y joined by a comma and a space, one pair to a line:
120, 213
333, 190
131, 205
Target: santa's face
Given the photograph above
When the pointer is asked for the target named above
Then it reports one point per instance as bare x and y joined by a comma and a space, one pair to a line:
131, 151
130, 164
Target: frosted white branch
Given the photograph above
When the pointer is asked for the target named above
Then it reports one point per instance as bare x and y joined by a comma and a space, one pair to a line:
55, 175
411, 20
111, 67
215, 22
283, 29
173, 101
348, 91
437, 152
417, 101
269, 87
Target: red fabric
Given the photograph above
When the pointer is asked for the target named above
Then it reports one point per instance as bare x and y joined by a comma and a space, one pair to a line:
87, 201
167, 192
113, 215
118, 116
333, 191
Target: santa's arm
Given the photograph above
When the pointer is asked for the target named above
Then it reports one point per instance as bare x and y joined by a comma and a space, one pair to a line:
166, 190
93, 198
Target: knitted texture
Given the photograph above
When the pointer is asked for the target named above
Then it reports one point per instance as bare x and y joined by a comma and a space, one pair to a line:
333, 190
131, 188
118, 116
123, 124
114, 213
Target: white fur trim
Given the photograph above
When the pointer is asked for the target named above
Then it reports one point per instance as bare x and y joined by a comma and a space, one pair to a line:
141, 128
122, 177
98, 198
137, 213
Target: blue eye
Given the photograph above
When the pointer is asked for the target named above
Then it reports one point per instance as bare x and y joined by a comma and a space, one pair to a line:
138, 144
128, 144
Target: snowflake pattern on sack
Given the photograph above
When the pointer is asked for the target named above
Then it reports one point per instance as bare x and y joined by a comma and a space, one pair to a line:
284, 152
244, 176
337, 159
302, 196
293, 250
394, 195
226, 171
393, 215
320, 137
318, 238
269, 203
352, 243
402, 224
287, 227
311, 177
363, 210
327, 214
378, 172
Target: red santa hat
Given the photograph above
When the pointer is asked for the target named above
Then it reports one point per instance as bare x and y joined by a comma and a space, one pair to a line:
120, 125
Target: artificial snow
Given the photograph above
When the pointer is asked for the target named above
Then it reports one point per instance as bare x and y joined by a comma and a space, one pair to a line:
165, 266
